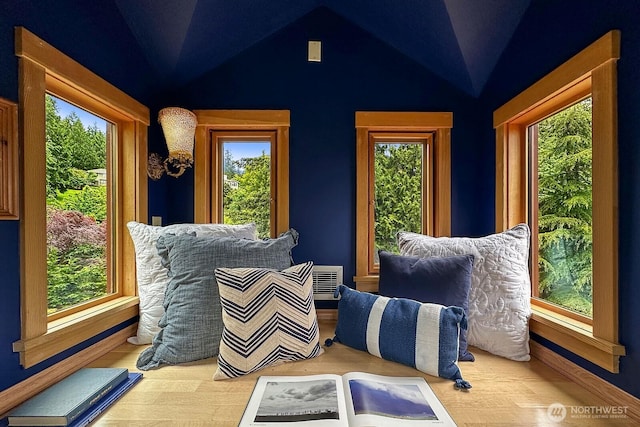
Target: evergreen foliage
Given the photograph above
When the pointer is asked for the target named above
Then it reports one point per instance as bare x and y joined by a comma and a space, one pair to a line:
76, 210
565, 208
76, 261
398, 192
251, 201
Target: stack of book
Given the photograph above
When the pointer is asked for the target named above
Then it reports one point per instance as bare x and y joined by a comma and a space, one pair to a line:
76, 400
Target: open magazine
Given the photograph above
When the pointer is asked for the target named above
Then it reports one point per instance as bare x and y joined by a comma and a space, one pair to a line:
353, 399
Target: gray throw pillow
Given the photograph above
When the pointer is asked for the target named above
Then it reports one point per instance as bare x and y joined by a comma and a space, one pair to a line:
152, 276
191, 326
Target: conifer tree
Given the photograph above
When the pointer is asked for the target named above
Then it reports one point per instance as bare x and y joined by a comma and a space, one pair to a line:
565, 207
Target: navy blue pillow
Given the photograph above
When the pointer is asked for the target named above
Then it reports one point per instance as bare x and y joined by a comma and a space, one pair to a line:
438, 280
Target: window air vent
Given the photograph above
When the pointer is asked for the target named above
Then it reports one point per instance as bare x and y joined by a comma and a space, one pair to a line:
326, 279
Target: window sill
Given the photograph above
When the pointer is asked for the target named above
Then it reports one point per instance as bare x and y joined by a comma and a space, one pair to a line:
367, 283
577, 337
71, 330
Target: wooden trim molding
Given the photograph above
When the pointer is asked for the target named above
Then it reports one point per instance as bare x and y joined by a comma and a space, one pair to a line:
369, 122
576, 337
9, 200
602, 50
605, 201
400, 120
33, 296
42, 69
601, 388
15, 395
70, 73
71, 330
591, 72
206, 166
327, 314
243, 119
367, 283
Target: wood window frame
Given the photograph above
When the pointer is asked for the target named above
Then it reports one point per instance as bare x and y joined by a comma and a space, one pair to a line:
218, 138
593, 70
207, 163
578, 93
42, 69
369, 123
425, 139
9, 201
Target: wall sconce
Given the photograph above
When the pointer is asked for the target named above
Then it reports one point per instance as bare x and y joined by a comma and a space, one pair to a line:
178, 126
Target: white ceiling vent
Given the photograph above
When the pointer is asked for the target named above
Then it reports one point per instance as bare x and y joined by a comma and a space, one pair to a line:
326, 279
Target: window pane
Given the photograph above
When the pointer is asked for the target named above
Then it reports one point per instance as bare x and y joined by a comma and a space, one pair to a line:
77, 215
565, 208
247, 184
398, 192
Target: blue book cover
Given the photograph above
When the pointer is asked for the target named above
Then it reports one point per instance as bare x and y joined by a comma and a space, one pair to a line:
109, 399
64, 401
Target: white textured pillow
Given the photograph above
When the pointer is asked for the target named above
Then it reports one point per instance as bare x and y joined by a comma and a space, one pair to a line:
499, 298
152, 276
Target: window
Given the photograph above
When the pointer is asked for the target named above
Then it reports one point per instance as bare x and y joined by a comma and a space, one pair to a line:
560, 210
8, 159
403, 183
400, 187
556, 169
45, 72
247, 168
242, 168
79, 223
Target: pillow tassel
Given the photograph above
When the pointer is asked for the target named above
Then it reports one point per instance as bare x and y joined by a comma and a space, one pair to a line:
338, 291
146, 361
462, 384
329, 341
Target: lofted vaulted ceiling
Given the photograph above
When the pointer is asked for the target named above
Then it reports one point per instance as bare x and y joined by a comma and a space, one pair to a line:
458, 40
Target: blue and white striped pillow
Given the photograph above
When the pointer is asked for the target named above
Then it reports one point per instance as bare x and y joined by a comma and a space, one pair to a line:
420, 335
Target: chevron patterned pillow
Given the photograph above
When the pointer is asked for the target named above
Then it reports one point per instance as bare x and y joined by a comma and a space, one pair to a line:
269, 318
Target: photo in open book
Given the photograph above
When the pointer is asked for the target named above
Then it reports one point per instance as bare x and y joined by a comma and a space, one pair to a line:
404, 401
284, 401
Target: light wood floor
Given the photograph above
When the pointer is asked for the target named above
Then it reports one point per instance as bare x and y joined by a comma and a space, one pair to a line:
504, 393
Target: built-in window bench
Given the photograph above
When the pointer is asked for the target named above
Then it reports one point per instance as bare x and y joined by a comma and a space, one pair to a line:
504, 392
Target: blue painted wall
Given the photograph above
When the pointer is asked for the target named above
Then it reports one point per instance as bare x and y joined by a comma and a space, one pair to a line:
358, 72
552, 32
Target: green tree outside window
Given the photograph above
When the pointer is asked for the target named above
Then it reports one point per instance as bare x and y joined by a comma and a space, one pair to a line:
565, 208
